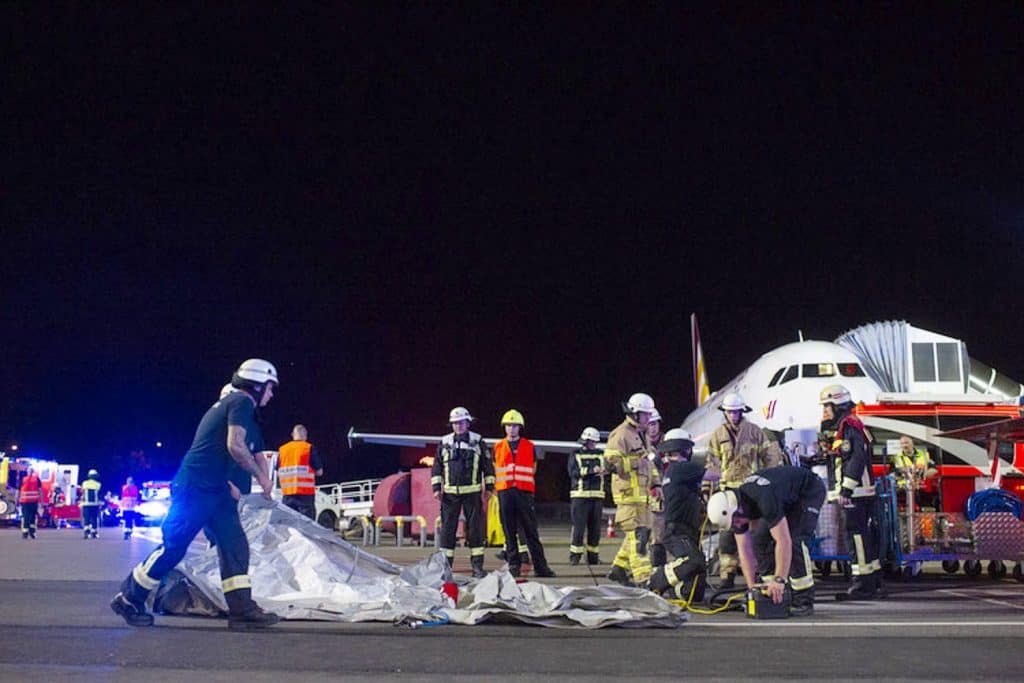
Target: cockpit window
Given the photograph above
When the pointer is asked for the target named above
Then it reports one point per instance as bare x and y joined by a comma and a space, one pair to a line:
776, 376
819, 370
791, 374
851, 370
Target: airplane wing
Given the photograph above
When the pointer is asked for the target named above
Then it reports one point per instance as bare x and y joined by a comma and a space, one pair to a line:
415, 441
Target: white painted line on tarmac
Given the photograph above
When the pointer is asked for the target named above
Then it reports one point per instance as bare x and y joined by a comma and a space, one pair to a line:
846, 625
961, 594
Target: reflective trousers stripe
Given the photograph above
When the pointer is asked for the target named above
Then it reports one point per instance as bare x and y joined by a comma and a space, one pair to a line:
141, 571
236, 582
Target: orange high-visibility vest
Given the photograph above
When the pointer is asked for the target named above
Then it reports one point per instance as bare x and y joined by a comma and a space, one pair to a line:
31, 489
293, 471
513, 472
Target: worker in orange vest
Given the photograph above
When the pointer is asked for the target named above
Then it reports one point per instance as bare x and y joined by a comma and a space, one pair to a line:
514, 466
29, 497
298, 465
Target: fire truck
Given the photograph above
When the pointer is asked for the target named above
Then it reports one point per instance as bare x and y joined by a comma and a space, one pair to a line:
59, 484
975, 509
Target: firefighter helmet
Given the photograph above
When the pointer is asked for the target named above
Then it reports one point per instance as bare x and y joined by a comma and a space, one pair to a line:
226, 389
655, 415
590, 434
258, 371
513, 417
721, 507
93, 473
675, 441
458, 414
639, 403
733, 401
835, 394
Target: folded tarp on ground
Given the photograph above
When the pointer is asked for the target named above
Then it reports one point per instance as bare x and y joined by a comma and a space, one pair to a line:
300, 570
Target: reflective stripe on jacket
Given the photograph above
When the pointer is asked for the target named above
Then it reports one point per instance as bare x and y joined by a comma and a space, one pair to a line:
737, 454
462, 466
514, 470
632, 473
31, 490
584, 478
293, 471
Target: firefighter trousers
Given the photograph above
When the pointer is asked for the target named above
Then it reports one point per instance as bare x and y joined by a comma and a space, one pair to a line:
470, 506
305, 505
29, 512
683, 577
518, 515
803, 520
862, 541
90, 518
586, 521
191, 510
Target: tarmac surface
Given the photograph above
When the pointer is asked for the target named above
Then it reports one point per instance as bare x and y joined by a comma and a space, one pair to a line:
55, 624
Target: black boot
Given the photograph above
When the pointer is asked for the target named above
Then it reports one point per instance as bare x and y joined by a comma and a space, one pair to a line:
593, 558
501, 555
24, 534
524, 557
477, 562
130, 603
244, 614
862, 588
803, 603
728, 582
543, 570
659, 556
881, 592
620, 576
574, 558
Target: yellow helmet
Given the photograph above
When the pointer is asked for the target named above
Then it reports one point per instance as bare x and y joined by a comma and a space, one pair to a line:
513, 417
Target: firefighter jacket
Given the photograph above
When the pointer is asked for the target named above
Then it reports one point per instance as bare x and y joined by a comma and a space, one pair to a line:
462, 465
585, 477
851, 453
129, 496
90, 492
684, 507
514, 467
736, 453
294, 472
633, 475
31, 490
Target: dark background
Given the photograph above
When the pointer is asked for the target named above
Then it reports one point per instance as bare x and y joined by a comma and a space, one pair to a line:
412, 208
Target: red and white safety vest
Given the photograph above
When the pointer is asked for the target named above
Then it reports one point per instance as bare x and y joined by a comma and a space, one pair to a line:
293, 471
514, 471
31, 490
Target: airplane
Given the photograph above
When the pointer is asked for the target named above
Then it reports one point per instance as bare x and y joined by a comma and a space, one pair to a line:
892, 363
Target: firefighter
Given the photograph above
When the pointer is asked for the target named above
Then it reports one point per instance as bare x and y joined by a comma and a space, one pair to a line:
129, 501
586, 493
298, 466
90, 504
779, 508
683, 577
737, 449
515, 466
633, 478
228, 433
654, 437
854, 489
30, 494
462, 470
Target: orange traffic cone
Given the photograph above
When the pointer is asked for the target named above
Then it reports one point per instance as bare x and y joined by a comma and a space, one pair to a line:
611, 527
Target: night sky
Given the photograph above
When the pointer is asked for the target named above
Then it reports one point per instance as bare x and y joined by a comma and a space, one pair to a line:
411, 209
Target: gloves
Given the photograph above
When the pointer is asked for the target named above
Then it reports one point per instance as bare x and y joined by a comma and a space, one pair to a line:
643, 537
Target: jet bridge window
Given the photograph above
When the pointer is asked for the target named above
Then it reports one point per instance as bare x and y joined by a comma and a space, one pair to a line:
776, 377
948, 357
818, 370
924, 362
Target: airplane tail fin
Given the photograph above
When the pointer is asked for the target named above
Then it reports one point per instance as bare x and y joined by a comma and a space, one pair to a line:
700, 378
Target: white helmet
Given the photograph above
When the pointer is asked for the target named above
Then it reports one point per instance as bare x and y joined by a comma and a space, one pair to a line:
93, 473
258, 371
458, 414
640, 403
836, 394
721, 508
733, 401
676, 440
226, 389
590, 434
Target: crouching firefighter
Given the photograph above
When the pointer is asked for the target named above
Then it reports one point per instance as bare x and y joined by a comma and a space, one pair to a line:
462, 470
854, 488
633, 478
683, 577
778, 507
229, 433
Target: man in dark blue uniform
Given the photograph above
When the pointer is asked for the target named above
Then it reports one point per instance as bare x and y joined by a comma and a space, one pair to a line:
779, 507
201, 495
